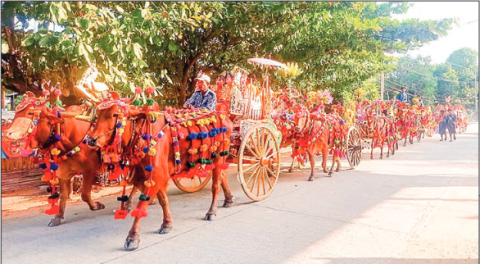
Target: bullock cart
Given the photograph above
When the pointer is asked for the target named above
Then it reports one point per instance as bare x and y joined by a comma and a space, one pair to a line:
255, 140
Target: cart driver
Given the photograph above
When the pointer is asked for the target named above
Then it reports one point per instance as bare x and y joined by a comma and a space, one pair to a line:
203, 97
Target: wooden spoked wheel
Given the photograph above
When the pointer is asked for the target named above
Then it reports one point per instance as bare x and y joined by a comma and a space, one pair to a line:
191, 185
354, 147
258, 162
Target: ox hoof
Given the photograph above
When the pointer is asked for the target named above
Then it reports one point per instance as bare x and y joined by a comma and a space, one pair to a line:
164, 230
337, 170
98, 206
227, 204
55, 222
153, 202
330, 174
131, 244
381, 157
210, 217
290, 170
311, 178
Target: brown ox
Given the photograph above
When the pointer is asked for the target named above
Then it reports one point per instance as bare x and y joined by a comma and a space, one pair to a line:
73, 131
163, 163
310, 135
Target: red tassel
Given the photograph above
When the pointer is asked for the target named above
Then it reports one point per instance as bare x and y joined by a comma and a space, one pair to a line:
202, 173
209, 167
224, 166
53, 210
139, 212
52, 201
121, 214
182, 174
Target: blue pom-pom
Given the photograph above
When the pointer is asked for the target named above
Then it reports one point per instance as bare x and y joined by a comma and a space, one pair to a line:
119, 125
145, 136
57, 137
35, 122
53, 166
341, 122
42, 166
179, 162
202, 135
69, 154
149, 168
212, 133
224, 129
58, 114
192, 136
145, 150
159, 135
216, 130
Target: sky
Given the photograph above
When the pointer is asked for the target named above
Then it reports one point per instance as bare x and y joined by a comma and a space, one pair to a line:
464, 35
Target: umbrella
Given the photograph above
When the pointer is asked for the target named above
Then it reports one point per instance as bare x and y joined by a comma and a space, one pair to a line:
267, 63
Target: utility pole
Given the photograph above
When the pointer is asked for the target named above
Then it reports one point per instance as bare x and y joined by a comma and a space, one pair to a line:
382, 85
476, 89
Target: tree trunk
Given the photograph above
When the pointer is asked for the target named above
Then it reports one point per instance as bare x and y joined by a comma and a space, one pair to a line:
186, 74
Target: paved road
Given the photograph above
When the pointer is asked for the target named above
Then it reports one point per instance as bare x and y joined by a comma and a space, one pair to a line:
419, 206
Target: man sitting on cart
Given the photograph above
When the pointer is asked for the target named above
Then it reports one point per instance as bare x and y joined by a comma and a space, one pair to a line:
203, 97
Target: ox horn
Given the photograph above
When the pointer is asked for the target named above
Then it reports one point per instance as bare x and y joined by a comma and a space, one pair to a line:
84, 118
69, 114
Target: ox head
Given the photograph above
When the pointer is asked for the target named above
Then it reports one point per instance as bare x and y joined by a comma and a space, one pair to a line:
30, 113
106, 116
285, 124
300, 118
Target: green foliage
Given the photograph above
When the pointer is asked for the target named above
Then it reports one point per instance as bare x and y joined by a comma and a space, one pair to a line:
455, 78
338, 45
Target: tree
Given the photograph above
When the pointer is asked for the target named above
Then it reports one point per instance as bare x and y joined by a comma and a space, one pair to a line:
165, 44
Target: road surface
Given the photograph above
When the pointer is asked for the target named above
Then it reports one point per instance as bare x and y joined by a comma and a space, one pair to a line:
418, 206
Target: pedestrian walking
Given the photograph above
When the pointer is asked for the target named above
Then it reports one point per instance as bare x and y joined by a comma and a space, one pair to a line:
442, 125
451, 123
403, 95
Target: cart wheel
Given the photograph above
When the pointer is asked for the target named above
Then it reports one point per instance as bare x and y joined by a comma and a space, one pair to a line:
191, 185
354, 147
258, 162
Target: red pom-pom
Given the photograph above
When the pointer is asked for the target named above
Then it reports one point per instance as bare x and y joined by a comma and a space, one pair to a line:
53, 210
139, 212
58, 92
45, 92
149, 90
53, 200
120, 214
138, 90
209, 167
224, 166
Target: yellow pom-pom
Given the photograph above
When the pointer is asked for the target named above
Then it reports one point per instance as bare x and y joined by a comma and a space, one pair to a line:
30, 130
189, 123
149, 183
120, 131
222, 117
177, 154
55, 152
152, 152
213, 119
124, 123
